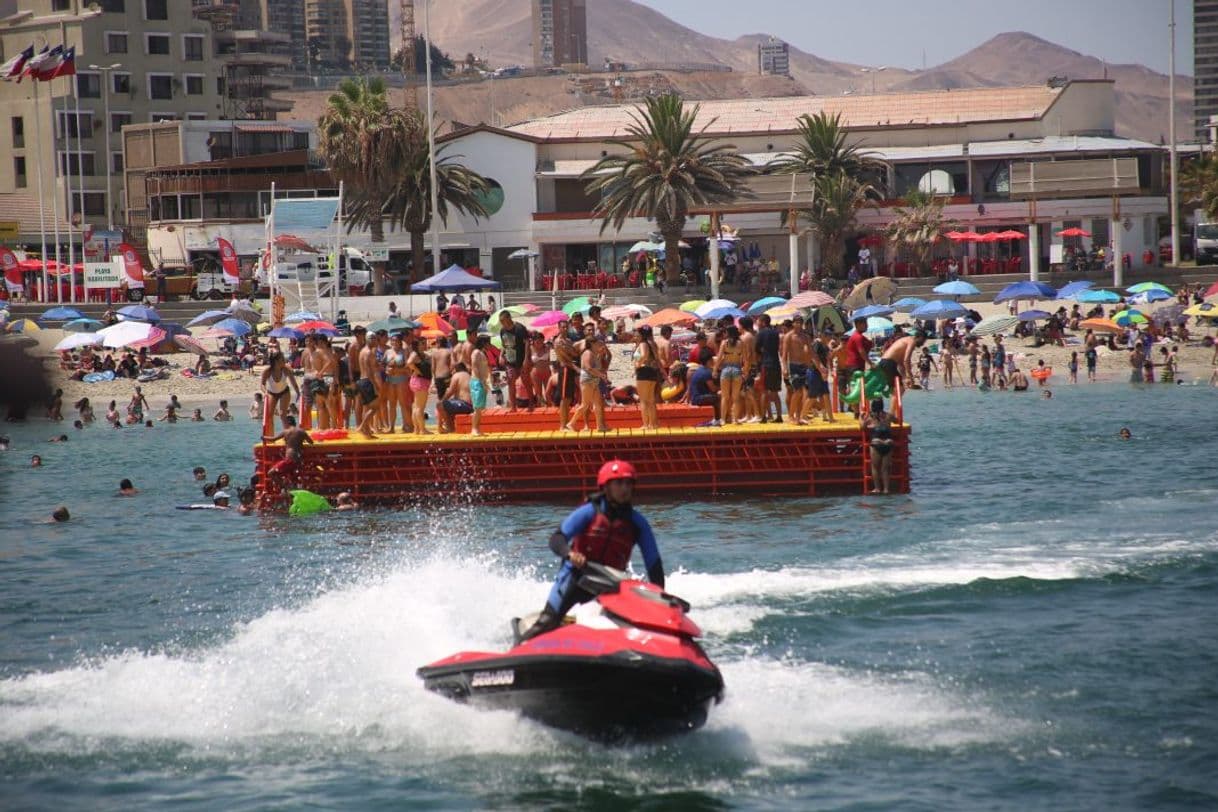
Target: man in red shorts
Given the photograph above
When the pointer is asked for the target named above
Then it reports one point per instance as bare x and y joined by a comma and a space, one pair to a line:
286, 472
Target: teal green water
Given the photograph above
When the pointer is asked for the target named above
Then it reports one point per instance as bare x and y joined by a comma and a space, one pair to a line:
1032, 628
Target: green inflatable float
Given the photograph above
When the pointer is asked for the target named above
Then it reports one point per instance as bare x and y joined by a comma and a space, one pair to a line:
306, 503
877, 386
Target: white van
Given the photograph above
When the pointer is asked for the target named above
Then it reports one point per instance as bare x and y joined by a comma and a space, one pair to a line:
354, 272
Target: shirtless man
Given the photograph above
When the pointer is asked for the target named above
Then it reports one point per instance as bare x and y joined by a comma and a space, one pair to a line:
441, 366
749, 405
369, 385
566, 364
325, 384
285, 472
455, 399
795, 353
464, 351
308, 374
897, 360
355, 404
480, 381
664, 348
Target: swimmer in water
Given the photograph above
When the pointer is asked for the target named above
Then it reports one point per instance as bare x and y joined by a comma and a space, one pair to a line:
126, 488
1125, 433
60, 514
345, 502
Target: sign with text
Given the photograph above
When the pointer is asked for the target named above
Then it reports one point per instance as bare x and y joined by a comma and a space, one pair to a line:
100, 243
104, 274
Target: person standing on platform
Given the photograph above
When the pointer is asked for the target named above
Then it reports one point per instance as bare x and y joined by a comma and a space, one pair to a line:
480, 381
515, 338
768, 349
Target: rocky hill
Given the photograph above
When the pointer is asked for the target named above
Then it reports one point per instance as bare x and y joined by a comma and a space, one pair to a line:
625, 31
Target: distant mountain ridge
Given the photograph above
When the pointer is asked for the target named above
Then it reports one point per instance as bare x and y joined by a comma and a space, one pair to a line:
626, 31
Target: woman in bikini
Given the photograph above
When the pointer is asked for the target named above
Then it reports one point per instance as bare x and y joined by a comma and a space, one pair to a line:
647, 376
277, 382
419, 366
397, 377
539, 359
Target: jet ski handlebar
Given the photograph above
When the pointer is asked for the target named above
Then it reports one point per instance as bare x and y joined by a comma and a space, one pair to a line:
599, 579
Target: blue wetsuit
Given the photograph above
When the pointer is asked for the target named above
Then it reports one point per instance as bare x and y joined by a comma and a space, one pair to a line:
565, 593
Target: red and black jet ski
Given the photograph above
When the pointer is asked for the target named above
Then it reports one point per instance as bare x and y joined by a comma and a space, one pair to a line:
627, 666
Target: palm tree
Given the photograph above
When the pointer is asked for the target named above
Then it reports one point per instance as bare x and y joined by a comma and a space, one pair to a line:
821, 149
358, 135
408, 205
1199, 183
666, 170
837, 198
918, 226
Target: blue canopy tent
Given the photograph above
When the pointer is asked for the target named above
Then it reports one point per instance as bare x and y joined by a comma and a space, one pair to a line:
454, 279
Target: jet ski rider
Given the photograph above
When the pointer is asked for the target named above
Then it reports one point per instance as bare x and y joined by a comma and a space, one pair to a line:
605, 529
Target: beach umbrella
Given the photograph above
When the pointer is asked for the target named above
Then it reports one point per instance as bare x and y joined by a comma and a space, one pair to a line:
1025, 290
784, 312
1101, 325
190, 344
1142, 287
957, 287
217, 332
908, 304
1073, 232
669, 315
22, 326
828, 317
645, 246
714, 304
236, 326
719, 312
627, 311
768, 303
393, 324
877, 290
431, 320
1068, 290
208, 317
811, 298
1205, 310
299, 316
577, 305
1127, 317
82, 326
75, 340
1212, 290
872, 310
993, 325
1033, 315
877, 326
691, 305
61, 314
940, 309
125, 333
243, 312
549, 318
1097, 297
1148, 296
156, 337
286, 332
139, 313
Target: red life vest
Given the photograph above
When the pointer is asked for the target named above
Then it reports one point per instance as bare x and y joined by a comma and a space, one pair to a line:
607, 541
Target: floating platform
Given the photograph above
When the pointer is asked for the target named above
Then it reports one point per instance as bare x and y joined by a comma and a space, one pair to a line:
517, 460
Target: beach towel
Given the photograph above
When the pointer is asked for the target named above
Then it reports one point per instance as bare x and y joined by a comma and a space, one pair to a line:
98, 377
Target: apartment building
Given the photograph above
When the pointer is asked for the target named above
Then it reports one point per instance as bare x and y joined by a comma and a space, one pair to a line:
1205, 65
136, 61
346, 34
560, 33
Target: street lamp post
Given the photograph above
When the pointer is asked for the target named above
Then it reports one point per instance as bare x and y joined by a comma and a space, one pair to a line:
873, 72
106, 88
1174, 198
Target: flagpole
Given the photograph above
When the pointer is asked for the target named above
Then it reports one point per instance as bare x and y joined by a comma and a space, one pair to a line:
42, 219
68, 178
80, 159
55, 194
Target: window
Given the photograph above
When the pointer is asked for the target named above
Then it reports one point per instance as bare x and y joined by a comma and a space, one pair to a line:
196, 116
192, 48
155, 117
156, 9
74, 162
114, 6
116, 162
191, 208
118, 121
160, 85
121, 83
61, 5
95, 204
220, 85
194, 85
18, 132
89, 85
156, 44
116, 42
69, 125
19, 171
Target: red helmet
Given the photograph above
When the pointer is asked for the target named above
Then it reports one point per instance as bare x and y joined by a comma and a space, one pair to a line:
614, 469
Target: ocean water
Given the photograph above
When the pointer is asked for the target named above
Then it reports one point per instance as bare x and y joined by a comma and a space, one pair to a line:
1033, 627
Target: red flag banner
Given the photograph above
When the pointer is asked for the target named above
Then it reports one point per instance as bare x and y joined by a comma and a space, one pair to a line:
12, 270
131, 266
229, 263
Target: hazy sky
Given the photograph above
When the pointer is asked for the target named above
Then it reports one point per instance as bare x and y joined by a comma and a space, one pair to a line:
896, 32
